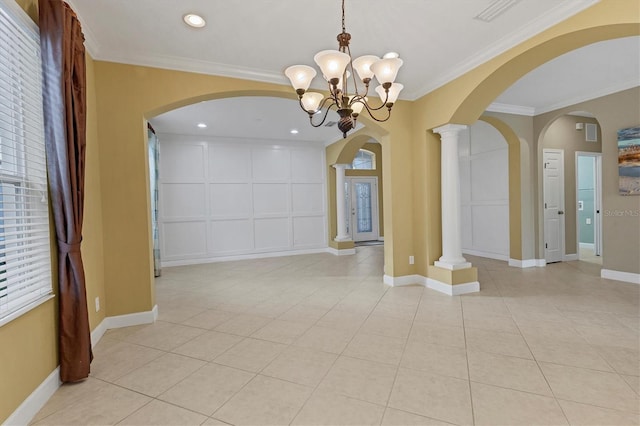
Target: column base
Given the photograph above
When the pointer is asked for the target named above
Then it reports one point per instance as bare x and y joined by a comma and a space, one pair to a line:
452, 266
341, 239
453, 289
453, 282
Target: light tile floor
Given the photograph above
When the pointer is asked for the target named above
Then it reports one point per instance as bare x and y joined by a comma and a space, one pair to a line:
318, 339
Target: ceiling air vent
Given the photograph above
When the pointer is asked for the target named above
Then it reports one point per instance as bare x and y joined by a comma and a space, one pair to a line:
495, 9
330, 123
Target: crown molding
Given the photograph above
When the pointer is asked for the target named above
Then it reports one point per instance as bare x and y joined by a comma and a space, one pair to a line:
589, 96
562, 12
511, 109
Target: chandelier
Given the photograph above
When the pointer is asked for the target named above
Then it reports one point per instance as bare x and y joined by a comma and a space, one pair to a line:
337, 67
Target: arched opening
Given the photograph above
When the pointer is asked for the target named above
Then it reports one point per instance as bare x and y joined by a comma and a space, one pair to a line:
570, 182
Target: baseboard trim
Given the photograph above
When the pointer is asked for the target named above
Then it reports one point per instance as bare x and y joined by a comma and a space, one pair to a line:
628, 277
541, 263
570, 257
526, 263
591, 246
405, 280
186, 262
453, 290
486, 254
34, 402
342, 252
119, 321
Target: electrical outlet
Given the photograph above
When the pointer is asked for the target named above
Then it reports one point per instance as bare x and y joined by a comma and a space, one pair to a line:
97, 304
411, 260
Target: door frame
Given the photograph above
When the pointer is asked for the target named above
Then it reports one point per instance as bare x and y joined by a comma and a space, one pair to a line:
597, 232
562, 243
375, 219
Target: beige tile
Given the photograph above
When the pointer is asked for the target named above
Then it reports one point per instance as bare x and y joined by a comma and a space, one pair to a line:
160, 374
610, 336
329, 409
361, 379
325, 339
633, 381
207, 389
395, 310
163, 335
250, 354
498, 406
208, 346
507, 372
107, 404
582, 414
123, 332
69, 394
178, 314
209, 319
393, 417
623, 360
386, 326
304, 313
490, 322
300, 365
119, 359
213, 422
160, 413
264, 401
437, 397
437, 334
342, 320
496, 342
592, 387
438, 359
243, 324
376, 348
439, 314
281, 331
567, 353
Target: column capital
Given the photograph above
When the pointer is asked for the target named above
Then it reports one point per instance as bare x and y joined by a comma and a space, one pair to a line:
450, 128
340, 166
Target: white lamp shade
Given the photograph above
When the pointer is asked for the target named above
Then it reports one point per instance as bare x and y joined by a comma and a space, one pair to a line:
300, 76
386, 70
394, 92
332, 63
363, 64
311, 100
357, 106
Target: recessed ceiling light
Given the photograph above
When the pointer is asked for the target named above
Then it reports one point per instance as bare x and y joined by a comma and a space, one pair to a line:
202, 125
193, 20
294, 132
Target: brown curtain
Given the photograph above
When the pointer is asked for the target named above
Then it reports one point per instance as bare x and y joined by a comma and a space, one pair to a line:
63, 64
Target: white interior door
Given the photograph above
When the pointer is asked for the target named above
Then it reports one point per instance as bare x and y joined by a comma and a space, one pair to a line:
598, 202
553, 196
364, 208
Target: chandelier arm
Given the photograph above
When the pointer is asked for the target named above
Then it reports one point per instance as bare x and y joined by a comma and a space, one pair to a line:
323, 118
370, 111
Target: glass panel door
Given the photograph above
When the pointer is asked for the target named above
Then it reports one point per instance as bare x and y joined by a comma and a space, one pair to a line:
364, 209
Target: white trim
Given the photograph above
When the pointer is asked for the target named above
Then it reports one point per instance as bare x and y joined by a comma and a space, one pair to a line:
629, 277
128, 320
511, 109
455, 289
380, 238
615, 88
570, 257
541, 263
486, 254
405, 280
34, 402
526, 263
587, 245
170, 263
342, 252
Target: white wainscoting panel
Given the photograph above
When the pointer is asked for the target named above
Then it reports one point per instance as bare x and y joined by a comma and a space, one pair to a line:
222, 197
183, 200
184, 239
484, 192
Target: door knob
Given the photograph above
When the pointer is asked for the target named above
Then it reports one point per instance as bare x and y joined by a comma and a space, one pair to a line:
560, 212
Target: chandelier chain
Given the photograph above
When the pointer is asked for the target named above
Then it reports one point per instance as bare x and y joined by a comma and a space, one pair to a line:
344, 29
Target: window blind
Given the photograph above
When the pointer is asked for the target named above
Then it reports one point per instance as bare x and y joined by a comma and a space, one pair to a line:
25, 259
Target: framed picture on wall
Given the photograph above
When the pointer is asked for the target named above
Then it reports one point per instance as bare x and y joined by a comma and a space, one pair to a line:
629, 161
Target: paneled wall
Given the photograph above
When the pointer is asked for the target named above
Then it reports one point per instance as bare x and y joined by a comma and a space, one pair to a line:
223, 197
484, 192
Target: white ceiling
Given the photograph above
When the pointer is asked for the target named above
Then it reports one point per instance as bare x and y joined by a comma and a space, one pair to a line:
438, 40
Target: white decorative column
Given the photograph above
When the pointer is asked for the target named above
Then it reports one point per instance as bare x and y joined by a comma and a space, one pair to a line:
451, 258
341, 207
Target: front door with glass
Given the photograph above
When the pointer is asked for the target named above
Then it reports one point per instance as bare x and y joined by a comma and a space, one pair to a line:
363, 208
